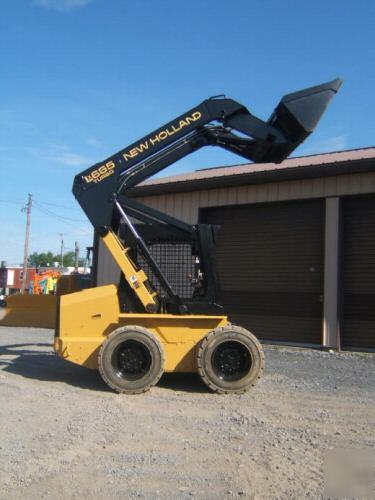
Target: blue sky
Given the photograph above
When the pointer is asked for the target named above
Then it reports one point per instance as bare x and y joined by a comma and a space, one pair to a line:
81, 79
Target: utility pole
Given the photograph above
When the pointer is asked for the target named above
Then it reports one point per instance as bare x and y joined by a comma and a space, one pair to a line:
26, 209
62, 250
76, 256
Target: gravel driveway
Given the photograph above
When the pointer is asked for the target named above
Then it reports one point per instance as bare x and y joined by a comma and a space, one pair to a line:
65, 435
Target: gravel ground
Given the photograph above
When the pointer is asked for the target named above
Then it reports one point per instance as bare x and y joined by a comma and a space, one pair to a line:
65, 435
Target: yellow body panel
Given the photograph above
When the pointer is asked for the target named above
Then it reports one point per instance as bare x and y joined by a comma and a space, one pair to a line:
30, 310
87, 317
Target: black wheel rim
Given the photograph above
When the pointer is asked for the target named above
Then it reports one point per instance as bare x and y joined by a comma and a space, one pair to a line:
231, 361
131, 360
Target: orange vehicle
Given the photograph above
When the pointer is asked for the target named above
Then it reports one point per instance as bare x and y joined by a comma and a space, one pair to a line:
44, 282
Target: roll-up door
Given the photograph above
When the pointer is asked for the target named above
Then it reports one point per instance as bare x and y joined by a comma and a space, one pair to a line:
270, 259
358, 315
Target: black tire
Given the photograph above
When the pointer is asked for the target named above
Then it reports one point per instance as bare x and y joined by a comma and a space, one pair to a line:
230, 360
131, 360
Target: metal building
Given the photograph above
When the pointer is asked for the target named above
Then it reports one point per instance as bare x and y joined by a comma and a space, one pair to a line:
296, 247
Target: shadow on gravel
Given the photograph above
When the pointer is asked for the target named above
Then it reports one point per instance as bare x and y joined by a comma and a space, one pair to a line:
185, 382
34, 362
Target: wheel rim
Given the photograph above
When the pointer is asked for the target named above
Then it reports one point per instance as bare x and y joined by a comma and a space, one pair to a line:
231, 360
131, 360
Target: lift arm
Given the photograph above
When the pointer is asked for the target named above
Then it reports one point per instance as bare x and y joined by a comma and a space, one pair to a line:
101, 189
273, 140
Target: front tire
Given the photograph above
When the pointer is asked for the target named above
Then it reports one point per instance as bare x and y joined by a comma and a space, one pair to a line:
230, 360
131, 360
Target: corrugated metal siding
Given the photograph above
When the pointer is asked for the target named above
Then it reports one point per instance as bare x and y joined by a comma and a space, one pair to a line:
186, 205
270, 259
359, 273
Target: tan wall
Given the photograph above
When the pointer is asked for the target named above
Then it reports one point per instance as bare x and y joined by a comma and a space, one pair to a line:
185, 206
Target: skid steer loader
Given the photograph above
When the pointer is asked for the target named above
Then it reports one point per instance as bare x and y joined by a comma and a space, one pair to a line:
166, 314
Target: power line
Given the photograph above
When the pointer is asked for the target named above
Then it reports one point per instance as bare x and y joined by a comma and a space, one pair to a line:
58, 215
58, 206
19, 202
11, 201
59, 218
46, 211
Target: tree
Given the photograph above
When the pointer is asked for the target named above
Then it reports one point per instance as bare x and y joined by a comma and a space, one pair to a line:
44, 259
47, 259
68, 259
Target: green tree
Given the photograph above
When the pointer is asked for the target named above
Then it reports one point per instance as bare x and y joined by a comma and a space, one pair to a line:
37, 259
69, 259
46, 259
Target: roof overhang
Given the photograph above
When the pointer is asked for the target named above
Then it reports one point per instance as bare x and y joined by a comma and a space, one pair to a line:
248, 174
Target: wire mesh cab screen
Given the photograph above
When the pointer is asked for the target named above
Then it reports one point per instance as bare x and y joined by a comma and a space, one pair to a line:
173, 252
176, 262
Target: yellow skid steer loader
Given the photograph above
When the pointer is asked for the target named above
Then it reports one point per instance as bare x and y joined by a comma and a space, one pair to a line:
166, 314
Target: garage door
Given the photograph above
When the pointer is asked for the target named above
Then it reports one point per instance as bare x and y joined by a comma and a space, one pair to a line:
359, 273
270, 259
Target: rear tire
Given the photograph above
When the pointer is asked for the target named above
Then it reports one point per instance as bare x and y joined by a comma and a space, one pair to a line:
230, 360
131, 360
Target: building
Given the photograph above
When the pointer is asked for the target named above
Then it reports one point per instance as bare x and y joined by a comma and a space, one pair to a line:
296, 247
11, 279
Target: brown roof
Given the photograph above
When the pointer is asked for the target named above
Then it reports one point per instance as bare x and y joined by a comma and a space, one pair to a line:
335, 163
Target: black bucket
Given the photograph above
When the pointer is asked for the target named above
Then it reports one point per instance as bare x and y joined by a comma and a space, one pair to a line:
296, 116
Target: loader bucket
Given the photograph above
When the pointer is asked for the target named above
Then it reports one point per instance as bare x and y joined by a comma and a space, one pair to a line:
297, 115
30, 310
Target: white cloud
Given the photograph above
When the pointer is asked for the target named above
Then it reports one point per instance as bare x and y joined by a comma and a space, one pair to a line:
61, 4
334, 143
71, 159
93, 141
57, 153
